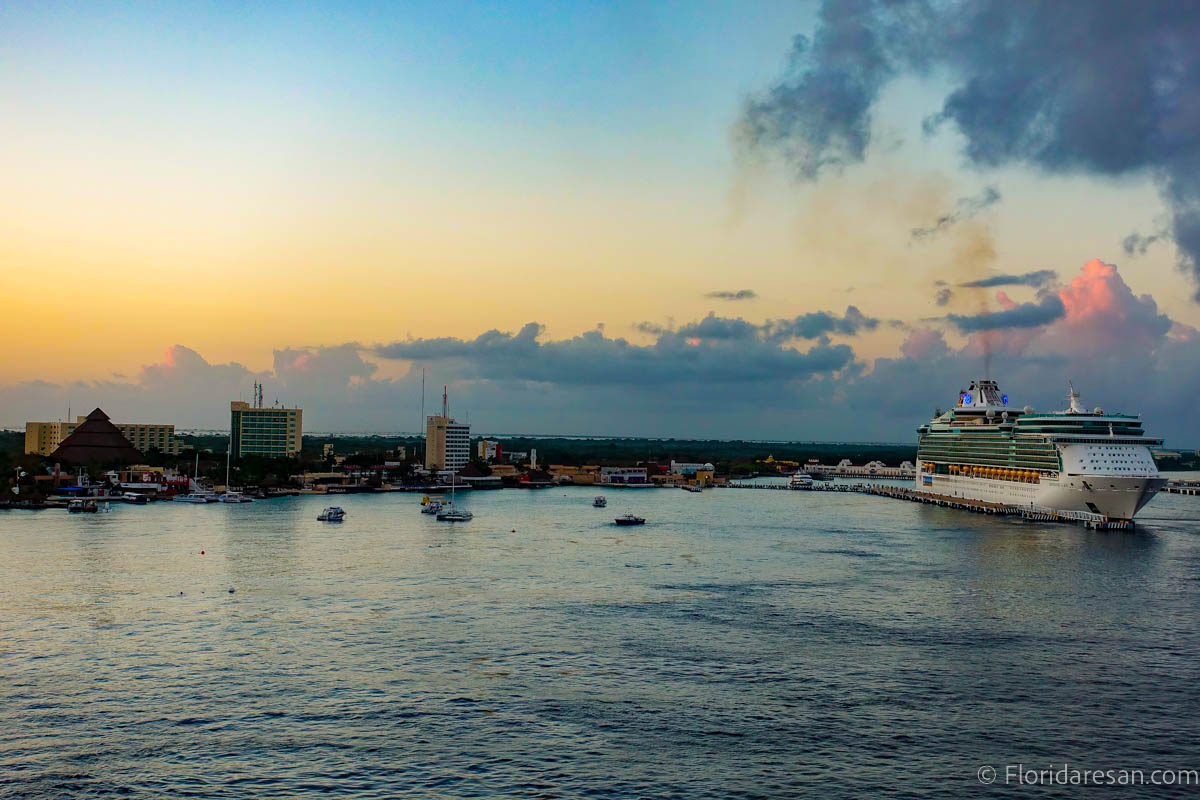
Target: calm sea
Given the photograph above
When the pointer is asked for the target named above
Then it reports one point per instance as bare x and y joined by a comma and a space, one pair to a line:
742, 644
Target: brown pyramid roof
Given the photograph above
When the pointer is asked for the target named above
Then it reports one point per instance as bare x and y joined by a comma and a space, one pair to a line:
97, 440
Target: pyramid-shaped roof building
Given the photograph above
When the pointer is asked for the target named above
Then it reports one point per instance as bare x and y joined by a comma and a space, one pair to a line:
97, 440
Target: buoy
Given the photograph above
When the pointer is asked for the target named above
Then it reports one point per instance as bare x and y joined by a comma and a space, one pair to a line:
231, 590
514, 530
201, 552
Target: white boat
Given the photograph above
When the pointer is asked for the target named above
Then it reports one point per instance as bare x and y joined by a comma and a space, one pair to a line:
196, 497
599, 501
332, 514
1075, 461
801, 480
451, 513
231, 497
429, 506
689, 487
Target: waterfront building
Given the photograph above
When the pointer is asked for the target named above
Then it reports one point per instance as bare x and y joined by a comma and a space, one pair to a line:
270, 432
43, 438
447, 443
624, 476
490, 450
702, 474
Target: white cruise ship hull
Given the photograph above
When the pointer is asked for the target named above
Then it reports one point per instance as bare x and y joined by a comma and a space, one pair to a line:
1116, 497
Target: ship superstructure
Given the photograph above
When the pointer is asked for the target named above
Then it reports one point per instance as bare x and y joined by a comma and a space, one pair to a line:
1071, 460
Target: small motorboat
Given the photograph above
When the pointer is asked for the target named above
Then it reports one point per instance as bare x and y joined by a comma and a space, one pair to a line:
199, 498
630, 519
691, 487
235, 497
599, 501
78, 506
135, 499
452, 513
332, 514
431, 507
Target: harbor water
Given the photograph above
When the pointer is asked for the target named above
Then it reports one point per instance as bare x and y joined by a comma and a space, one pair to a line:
740, 644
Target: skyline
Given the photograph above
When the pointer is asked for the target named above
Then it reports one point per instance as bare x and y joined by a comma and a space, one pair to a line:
601, 220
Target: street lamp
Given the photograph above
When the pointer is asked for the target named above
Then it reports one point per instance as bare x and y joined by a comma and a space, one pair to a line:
17, 483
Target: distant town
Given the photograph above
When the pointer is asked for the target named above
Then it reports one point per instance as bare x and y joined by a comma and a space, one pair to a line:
266, 454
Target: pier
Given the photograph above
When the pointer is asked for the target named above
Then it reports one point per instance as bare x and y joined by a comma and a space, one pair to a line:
1034, 513
1183, 487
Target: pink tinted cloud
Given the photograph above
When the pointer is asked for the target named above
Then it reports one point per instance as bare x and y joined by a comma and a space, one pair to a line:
924, 343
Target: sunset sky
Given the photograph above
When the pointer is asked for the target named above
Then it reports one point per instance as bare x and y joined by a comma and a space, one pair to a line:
614, 219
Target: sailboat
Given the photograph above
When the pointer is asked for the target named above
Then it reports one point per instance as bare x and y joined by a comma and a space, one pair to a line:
449, 512
228, 496
452, 513
198, 496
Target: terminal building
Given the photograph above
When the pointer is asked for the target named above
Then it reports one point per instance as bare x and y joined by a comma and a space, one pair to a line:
269, 432
43, 438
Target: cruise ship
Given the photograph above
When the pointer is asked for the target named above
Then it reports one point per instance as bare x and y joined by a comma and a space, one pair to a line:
1072, 460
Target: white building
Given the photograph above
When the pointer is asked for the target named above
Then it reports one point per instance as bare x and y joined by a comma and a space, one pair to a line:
624, 476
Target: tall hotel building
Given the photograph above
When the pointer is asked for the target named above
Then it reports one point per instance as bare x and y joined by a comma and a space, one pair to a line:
270, 432
447, 443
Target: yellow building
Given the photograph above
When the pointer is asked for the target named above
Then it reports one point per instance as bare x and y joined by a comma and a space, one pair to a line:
447, 443
271, 432
43, 438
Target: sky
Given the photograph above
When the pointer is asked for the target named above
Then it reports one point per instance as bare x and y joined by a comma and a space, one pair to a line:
813, 220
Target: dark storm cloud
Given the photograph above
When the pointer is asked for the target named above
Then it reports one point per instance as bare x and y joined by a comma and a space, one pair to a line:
1101, 88
816, 324
741, 294
1026, 315
965, 208
944, 296
713, 350
1036, 279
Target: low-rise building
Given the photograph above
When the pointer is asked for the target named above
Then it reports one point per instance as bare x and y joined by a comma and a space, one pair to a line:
624, 476
701, 474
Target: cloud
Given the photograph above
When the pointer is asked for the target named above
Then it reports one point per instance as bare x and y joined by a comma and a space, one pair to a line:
741, 294
924, 343
713, 349
1027, 89
943, 296
822, 323
714, 377
1025, 315
1136, 244
1035, 279
965, 208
